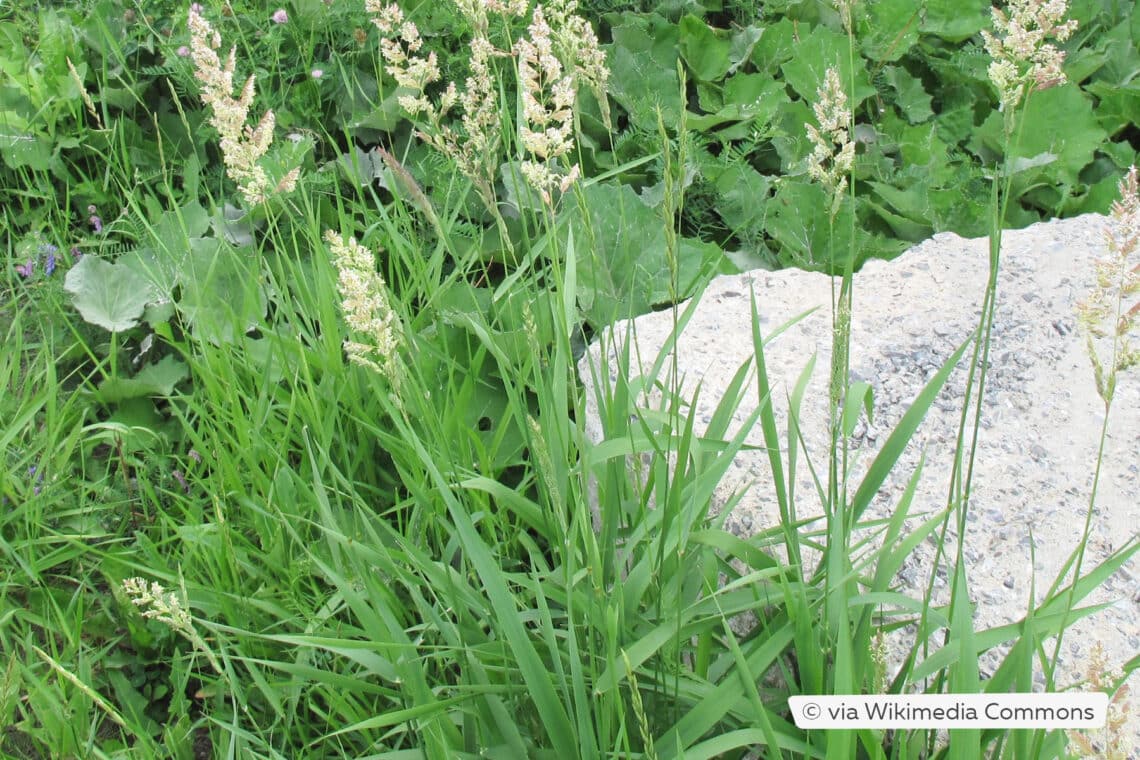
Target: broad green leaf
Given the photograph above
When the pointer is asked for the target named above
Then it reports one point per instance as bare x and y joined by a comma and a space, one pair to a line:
742, 45
798, 221
111, 296
520, 196
889, 28
791, 141
754, 98
923, 153
264, 354
775, 46
462, 298
626, 271
156, 379
706, 52
643, 61
1060, 122
1118, 106
954, 20
818, 51
24, 149
913, 100
361, 168
745, 193
221, 295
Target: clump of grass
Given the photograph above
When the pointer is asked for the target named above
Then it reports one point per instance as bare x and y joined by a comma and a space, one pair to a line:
383, 490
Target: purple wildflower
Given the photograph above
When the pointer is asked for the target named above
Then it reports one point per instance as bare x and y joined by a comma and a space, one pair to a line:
26, 270
280, 16
96, 224
38, 480
195, 456
49, 251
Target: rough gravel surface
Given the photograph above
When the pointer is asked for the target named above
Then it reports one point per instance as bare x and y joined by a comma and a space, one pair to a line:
1039, 432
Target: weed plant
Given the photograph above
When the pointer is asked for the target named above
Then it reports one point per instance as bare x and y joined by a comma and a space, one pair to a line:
295, 451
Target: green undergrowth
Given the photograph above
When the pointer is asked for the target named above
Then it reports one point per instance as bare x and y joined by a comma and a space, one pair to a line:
434, 560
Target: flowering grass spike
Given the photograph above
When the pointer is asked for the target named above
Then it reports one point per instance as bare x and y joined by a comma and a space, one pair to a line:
562, 50
548, 102
1114, 741
367, 309
156, 603
242, 146
1023, 61
1108, 311
834, 154
475, 150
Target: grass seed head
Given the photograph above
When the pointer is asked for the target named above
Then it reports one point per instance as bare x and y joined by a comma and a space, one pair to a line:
367, 309
242, 146
1112, 309
833, 156
1023, 58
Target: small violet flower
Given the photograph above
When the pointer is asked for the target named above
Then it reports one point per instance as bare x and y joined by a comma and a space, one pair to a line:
94, 220
280, 16
183, 52
38, 480
26, 270
49, 263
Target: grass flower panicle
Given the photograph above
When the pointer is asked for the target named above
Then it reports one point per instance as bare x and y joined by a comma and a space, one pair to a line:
367, 308
242, 146
1114, 741
1105, 313
156, 603
548, 97
82, 87
834, 154
844, 8
475, 150
548, 89
400, 46
578, 45
1021, 55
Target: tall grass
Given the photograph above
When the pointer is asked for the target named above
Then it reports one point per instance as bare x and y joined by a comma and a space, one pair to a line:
437, 561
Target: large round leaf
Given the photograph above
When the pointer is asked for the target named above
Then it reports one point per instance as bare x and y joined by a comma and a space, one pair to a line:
111, 296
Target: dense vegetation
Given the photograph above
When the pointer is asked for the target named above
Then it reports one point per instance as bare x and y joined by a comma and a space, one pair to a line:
361, 484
